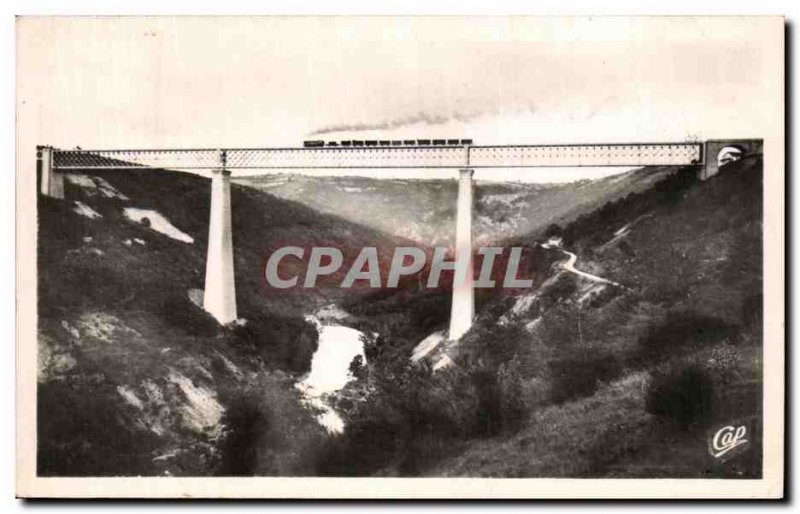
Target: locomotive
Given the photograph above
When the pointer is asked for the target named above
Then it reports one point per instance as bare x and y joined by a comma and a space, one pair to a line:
319, 143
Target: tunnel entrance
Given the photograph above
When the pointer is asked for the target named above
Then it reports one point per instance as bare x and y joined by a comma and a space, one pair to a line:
729, 154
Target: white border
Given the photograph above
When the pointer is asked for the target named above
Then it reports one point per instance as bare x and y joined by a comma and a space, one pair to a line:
770, 486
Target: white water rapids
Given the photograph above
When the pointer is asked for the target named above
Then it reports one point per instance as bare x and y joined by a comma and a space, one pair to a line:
330, 370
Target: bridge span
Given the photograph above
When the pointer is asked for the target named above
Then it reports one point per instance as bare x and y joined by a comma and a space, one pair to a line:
220, 295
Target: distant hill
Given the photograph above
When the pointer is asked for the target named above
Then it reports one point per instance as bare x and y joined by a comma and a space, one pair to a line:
424, 210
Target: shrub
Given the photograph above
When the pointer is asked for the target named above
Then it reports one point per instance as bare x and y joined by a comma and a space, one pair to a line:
753, 310
563, 289
289, 342
576, 377
414, 418
670, 190
405, 422
597, 226
681, 396
559, 326
181, 313
512, 400
301, 351
490, 346
247, 423
489, 411
368, 444
357, 367
83, 432
553, 230
267, 430
680, 329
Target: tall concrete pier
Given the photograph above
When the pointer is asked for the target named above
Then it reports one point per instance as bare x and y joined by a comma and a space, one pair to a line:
463, 303
219, 298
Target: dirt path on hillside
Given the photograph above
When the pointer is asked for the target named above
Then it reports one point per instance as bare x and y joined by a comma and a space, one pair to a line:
570, 266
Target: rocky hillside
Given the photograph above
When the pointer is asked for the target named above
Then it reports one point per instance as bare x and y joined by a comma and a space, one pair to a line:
134, 377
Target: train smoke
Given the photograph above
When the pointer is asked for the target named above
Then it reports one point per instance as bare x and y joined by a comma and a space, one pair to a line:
406, 121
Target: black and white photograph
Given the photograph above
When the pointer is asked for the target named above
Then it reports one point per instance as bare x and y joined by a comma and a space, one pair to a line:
381, 248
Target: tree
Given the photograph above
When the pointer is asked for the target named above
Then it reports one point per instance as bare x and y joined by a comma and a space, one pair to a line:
553, 230
357, 368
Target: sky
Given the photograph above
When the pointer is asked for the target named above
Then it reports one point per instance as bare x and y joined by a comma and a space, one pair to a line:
262, 82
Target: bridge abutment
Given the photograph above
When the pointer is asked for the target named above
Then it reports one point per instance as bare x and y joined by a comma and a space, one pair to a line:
51, 180
463, 301
713, 148
219, 297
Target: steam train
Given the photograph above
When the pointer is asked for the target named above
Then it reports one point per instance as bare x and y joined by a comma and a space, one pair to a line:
318, 143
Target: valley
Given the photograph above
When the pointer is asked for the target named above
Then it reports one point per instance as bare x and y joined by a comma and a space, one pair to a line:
641, 331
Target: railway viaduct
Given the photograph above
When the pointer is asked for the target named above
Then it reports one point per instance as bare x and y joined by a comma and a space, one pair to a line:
220, 294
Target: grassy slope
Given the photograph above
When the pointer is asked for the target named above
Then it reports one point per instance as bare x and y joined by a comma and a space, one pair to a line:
694, 269
133, 376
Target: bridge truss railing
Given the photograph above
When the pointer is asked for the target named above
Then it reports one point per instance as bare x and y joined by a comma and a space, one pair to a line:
508, 156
